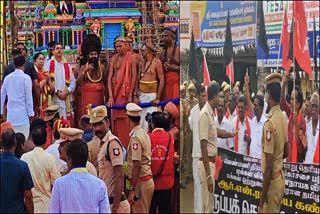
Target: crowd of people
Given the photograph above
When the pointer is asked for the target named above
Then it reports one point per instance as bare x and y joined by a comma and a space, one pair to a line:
245, 124
93, 138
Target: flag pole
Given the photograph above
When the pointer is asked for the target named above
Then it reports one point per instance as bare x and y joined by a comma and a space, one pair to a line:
233, 75
281, 37
313, 50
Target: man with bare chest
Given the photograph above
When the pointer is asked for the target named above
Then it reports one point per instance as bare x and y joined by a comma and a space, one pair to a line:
171, 64
151, 82
93, 77
122, 79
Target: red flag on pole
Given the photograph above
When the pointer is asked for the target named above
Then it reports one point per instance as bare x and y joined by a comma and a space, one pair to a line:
206, 76
301, 48
286, 62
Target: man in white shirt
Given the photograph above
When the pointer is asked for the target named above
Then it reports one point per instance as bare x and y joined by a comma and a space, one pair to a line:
64, 81
223, 124
311, 140
233, 110
18, 87
241, 125
194, 126
50, 53
256, 127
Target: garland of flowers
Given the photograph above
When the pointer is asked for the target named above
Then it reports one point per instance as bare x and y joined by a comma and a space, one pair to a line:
66, 70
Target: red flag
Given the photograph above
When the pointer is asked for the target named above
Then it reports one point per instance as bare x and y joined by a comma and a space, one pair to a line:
301, 48
286, 62
229, 71
206, 76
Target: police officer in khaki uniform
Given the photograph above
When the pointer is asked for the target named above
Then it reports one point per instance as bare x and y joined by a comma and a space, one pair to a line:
139, 163
208, 140
110, 160
66, 135
274, 149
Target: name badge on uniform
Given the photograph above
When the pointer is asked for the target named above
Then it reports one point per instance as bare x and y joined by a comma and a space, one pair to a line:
116, 151
135, 146
269, 136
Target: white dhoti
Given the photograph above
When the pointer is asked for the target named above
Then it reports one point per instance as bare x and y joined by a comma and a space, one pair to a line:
144, 98
196, 186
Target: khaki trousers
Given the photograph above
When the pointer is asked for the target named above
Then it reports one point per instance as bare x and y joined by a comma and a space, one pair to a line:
124, 207
206, 196
144, 190
275, 195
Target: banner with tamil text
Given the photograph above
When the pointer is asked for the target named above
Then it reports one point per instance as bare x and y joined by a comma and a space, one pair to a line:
239, 183
209, 20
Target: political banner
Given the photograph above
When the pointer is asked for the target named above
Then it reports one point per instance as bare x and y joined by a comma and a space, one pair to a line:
239, 182
209, 20
273, 16
274, 43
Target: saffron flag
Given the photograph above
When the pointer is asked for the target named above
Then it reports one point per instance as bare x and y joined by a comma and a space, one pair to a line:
228, 52
285, 42
301, 48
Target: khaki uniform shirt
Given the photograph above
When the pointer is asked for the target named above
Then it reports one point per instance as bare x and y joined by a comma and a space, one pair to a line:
139, 149
274, 137
44, 172
93, 149
105, 166
190, 103
208, 130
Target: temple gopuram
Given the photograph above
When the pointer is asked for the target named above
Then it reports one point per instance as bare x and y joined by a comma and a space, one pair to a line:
68, 22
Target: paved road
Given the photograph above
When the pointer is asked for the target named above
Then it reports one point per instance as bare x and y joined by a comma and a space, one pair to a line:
186, 199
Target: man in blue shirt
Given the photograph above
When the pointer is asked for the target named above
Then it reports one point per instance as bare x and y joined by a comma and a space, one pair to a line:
16, 181
79, 191
86, 126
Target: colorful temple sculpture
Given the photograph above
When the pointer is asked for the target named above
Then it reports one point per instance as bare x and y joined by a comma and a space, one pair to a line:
3, 59
68, 22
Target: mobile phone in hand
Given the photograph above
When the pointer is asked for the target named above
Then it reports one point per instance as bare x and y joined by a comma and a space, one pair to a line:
135, 198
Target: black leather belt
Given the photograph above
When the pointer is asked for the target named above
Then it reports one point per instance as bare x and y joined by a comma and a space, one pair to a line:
123, 198
210, 158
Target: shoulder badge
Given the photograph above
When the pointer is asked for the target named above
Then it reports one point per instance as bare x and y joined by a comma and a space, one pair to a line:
135, 146
268, 135
116, 152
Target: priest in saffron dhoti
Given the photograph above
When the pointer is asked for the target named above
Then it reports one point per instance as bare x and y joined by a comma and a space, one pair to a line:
92, 78
122, 79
